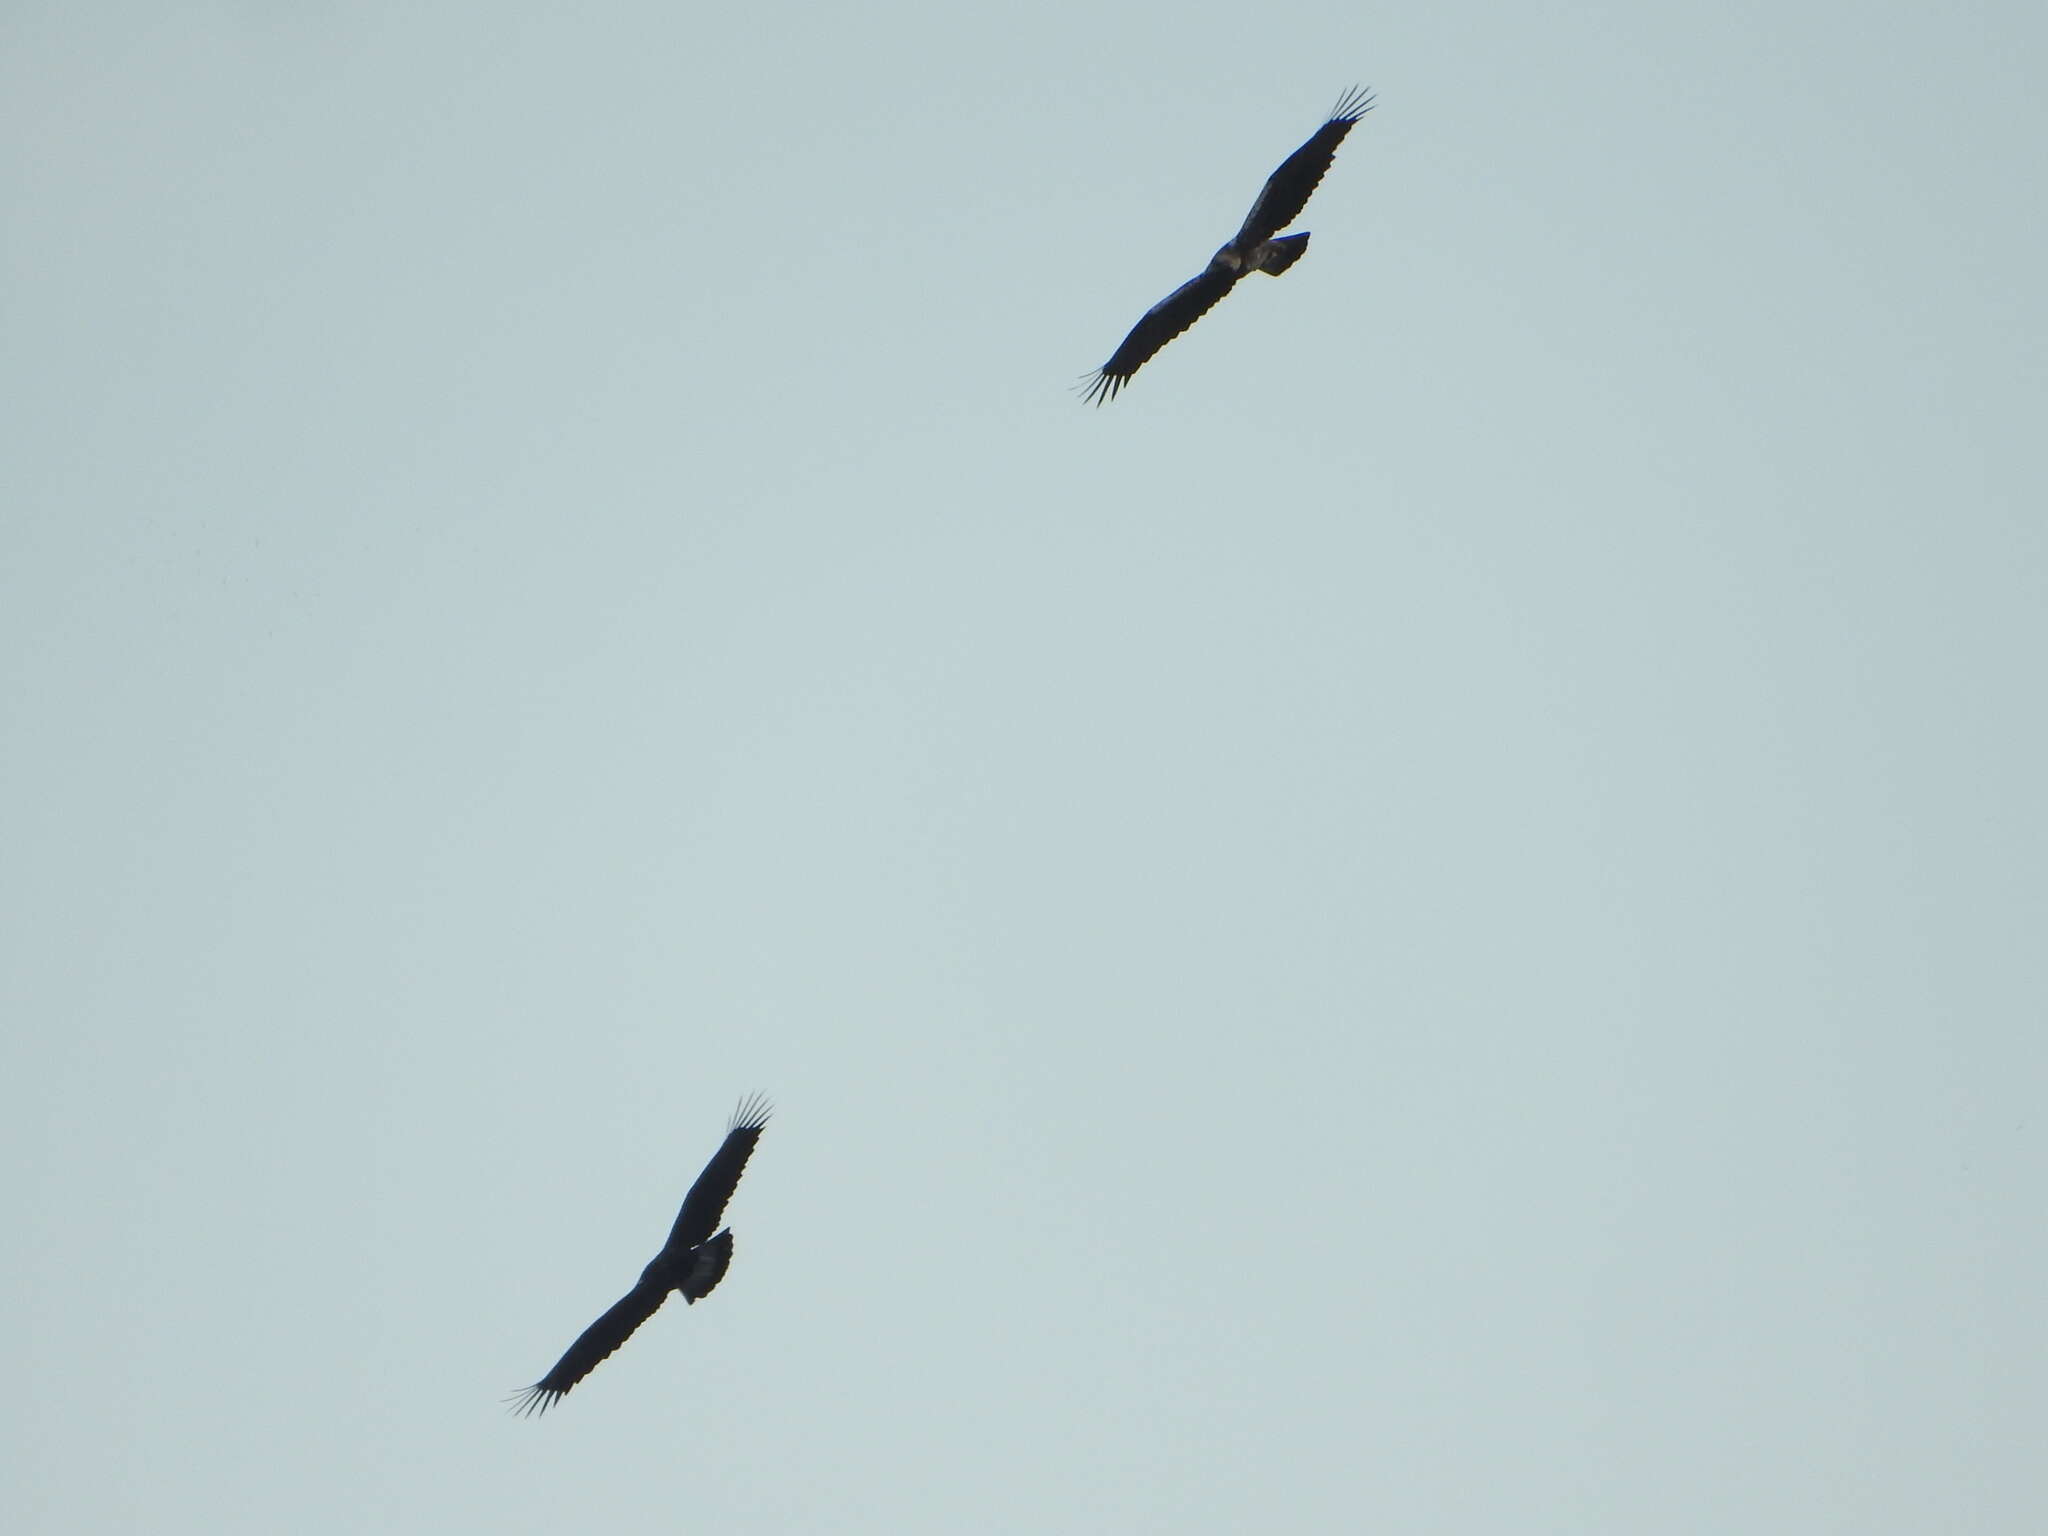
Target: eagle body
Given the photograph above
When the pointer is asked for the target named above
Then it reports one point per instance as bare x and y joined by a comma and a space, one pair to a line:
1269, 256
690, 1273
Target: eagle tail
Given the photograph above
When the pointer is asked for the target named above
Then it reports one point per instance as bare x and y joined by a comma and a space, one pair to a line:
707, 1267
1279, 255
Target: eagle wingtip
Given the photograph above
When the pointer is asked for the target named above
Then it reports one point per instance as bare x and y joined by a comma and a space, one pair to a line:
529, 1402
1100, 387
1352, 105
752, 1113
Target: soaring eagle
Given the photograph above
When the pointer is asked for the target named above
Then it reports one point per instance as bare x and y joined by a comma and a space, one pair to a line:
692, 1261
1252, 249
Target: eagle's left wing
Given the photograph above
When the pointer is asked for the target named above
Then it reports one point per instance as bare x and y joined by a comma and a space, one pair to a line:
1288, 189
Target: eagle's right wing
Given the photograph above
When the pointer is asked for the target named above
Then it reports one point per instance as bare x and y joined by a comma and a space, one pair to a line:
1162, 322
592, 1348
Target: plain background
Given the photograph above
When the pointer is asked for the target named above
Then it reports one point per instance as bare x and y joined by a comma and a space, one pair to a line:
1432, 923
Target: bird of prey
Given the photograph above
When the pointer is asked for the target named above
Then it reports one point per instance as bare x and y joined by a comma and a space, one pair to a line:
1252, 249
692, 1261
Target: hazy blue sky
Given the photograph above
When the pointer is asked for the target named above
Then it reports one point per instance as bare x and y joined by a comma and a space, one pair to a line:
1432, 923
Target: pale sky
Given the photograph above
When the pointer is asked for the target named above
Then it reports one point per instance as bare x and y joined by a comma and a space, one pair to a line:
1434, 922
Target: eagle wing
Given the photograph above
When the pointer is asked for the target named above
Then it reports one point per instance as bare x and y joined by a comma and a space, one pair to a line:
1161, 323
705, 1203
592, 1348
1288, 189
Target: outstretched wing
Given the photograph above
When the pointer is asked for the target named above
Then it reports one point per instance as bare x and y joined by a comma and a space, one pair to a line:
1162, 322
589, 1351
705, 1203
1287, 190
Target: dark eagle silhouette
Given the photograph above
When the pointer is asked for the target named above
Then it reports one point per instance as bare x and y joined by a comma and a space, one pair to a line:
1252, 249
692, 1261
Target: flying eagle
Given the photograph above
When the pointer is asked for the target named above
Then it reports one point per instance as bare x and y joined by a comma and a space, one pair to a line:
1251, 249
692, 1261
